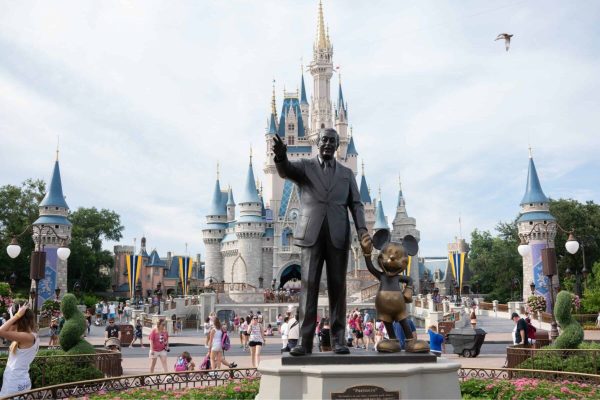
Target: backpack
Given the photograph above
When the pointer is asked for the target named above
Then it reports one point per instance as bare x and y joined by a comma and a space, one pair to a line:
181, 365
225, 342
205, 363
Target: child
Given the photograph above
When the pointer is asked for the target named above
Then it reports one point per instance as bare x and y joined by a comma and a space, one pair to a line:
53, 333
269, 330
184, 363
137, 333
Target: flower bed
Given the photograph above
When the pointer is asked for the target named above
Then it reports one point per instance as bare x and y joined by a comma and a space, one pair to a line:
527, 388
244, 389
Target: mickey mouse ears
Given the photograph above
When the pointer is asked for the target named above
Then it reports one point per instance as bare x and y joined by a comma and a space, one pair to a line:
382, 237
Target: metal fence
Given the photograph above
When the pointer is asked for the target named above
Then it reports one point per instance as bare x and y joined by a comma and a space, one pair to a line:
514, 373
167, 382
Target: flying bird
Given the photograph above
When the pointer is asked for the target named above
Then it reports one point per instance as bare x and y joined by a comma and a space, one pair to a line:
506, 37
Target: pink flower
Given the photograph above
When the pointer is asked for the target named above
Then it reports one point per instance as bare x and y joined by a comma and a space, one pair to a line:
489, 387
237, 389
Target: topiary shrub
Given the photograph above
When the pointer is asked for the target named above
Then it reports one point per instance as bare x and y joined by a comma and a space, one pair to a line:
571, 334
71, 334
49, 368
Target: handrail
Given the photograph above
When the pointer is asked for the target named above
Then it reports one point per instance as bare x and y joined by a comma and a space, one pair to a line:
369, 291
510, 373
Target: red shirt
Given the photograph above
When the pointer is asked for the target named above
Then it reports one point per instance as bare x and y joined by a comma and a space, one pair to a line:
158, 339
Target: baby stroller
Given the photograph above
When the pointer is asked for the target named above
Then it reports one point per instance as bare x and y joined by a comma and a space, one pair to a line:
112, 344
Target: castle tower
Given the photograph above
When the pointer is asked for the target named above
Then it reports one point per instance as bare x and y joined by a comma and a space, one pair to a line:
403, 224
249, 229
274, 186
303, 102
380, 221
533, 227
321, 68
351, 159
365, 198
341, 125
230, 206
53, 211
216, 225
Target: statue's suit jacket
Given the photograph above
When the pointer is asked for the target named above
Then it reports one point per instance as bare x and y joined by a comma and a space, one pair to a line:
320, 199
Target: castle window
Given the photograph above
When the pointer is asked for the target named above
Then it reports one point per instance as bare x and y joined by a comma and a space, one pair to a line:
45, 208
290, 140
530, 222
545, 222
530, 204
57, 208
322, 126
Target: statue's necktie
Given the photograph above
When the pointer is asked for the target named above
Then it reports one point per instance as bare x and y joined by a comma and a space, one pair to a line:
328, 170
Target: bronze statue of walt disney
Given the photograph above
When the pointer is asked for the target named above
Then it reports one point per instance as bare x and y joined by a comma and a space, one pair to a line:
391, 299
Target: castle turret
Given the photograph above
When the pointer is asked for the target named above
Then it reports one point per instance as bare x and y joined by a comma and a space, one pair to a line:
53, 211
351, 160
341, 126
380, 221
321, 69
303, 102
216, 225
249, 229
230, 206
403, 224
365, 198
533, 225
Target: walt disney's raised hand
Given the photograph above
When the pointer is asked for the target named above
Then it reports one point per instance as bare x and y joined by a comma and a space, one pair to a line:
279, 148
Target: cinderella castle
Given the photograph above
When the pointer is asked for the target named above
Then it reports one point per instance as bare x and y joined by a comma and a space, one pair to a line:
250, 241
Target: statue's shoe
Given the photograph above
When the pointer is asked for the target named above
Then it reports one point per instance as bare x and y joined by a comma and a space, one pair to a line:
388, 346
416, 346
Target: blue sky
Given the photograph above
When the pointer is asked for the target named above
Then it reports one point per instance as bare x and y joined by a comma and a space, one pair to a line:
147, 96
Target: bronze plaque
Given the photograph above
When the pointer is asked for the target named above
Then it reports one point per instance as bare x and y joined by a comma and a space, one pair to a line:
366, 392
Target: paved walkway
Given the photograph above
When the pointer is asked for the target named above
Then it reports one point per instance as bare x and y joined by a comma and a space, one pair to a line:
136, 361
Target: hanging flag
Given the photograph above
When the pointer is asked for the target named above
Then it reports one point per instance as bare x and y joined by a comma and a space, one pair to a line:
457, 265
406, 272
134, 266
185, 273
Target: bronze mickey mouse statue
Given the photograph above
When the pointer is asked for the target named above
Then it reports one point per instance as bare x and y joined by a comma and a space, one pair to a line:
391, 299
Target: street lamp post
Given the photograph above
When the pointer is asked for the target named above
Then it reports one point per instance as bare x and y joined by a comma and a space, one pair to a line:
158, 294
57, 293
37, 270
549, 259
532, 287
583, 242
12, 280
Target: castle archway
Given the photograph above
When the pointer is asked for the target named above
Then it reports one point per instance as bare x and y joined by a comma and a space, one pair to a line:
289, 273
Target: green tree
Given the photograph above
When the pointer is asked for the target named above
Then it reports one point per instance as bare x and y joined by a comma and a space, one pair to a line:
18, 209
590, 302
585, 220
90, 227
494, 263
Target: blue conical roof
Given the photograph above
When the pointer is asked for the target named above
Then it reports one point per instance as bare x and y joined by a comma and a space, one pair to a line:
54, 197
302, 91
341, 105
230, 201
250, 194
533, 191
380, 222
351, 147
365, 197
272, 125
217, 204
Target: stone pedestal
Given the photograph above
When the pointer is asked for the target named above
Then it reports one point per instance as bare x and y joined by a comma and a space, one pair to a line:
430, 380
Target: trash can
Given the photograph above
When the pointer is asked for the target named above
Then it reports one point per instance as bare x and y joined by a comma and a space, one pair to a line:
126, 334
467, 341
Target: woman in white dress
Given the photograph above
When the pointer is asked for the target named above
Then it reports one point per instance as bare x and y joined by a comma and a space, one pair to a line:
21, 330
215, 346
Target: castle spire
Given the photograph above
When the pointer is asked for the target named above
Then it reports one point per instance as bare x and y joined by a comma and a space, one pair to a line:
322, 42
401, 202
250, 194
533, 191
380, 222
365, 196
54, 197
302, 90
274, 103
217, 206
